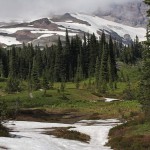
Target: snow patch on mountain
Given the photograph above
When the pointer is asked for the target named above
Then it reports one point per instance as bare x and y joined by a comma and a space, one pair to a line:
62, 33
99, 24
14, 30
45, 35
8, 40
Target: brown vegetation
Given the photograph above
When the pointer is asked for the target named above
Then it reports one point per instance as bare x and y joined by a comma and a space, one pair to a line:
69, 134
4, 131
133, 135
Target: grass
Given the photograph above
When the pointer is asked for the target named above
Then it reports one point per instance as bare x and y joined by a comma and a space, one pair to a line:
133, 72
132, 135
81, 100
129, 72
139, 129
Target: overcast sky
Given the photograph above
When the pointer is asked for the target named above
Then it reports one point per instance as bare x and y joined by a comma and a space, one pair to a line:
33, 9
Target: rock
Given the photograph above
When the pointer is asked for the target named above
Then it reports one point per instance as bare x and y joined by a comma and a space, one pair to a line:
131, 13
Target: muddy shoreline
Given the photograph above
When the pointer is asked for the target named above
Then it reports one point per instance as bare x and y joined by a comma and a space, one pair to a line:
66, 116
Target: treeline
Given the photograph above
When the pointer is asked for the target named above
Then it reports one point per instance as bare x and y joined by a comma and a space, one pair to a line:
70, 61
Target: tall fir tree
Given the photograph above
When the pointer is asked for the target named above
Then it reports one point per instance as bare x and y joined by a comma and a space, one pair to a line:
85, 57
67, 55
104, 65
112, 62
103, 79
97, 72
35, 82
93, 53
12, 63
59, 70
145, 79
45, 83
12, 82
1, 68
79, 72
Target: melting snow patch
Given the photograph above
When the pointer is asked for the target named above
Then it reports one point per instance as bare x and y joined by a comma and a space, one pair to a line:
32, 137
110, 99
69, 21
45, 35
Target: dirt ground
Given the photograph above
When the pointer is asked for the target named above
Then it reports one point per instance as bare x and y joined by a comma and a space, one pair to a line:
67, 116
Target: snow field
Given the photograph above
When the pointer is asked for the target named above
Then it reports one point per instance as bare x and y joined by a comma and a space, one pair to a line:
97, 24
30, 135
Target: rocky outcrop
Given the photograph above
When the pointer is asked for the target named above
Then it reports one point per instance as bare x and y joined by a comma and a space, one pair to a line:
67, 17
24, 36
44, 23
131, 13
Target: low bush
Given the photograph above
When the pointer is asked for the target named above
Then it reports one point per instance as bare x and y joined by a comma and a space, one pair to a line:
68, 134
4, 131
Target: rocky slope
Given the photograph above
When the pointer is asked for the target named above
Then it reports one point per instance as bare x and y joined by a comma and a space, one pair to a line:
131, 13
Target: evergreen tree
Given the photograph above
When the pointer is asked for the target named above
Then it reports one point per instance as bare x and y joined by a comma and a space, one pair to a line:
12, 85
67, 55
112, 62
79, 72
85, 57
12, 63
12, 82
73, 57
1, 69
39, 63
97, 72
62, 87
145, 79
110, 73
34, 76
51, 61
45, 84
93, 53
59, 70
104, 65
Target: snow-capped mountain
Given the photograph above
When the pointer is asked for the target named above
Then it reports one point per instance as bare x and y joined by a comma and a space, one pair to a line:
46, 31
95, 24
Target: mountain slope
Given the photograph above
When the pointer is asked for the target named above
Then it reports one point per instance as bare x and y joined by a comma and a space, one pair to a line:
132, 13
45, 31
98, 24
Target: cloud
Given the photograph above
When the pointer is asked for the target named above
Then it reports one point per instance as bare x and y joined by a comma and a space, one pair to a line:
33, 9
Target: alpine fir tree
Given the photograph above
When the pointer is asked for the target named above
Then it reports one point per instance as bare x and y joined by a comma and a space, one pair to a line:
145, 79
67, 55
59, 68
97, 72
45, 84
112, 62
79, 72
1, 69
35, 76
